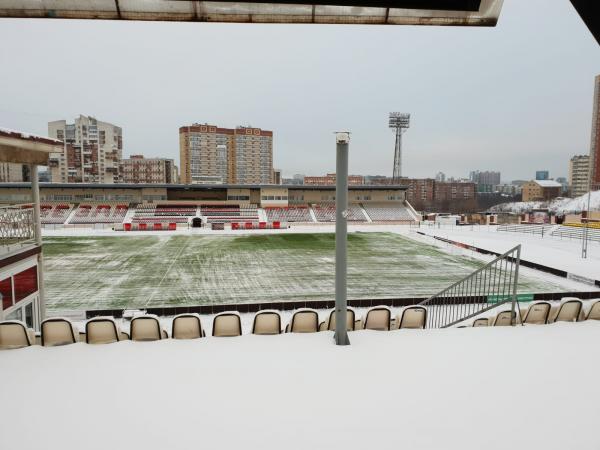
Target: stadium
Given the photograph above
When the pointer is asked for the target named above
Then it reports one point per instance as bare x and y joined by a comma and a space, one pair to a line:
269, 316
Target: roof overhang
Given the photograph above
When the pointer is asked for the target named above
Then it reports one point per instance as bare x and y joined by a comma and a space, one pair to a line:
378, 12
16, 147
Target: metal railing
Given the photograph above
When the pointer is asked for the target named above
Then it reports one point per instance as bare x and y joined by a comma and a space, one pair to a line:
577, 233
530, 229
16, 225
488, 287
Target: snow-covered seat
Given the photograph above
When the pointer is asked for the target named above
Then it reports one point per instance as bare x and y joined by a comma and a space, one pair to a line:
227, 324
537, 313
594, 312
304, 321
329, 324
187, 326
569, 310
15, 334
412, 317
58, 331
503, 319
146, 328
481, 322
266, 322
378, 318
102, 330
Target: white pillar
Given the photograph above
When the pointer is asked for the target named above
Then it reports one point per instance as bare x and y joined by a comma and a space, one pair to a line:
37, 224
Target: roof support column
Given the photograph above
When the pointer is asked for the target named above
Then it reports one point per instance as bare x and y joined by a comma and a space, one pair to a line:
37, 224
341, 238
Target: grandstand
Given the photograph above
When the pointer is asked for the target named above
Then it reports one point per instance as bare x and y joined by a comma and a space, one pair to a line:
55, 213
229, 213
380, 212
172, 213
325, 212
88, 213
288, 214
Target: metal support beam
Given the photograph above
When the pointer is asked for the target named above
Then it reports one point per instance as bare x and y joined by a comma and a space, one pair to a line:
35, 191
341, 237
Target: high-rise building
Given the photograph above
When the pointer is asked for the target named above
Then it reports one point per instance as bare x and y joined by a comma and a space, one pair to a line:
440, 176
579, 174
13, 172
486, 180
542, 175
91, 154
137, 169
595, 141
210, 154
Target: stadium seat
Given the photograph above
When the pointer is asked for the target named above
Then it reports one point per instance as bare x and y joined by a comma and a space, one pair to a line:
537, 313
267, 322
304, 321
227, 324
101, 330
503, 319
412, 317
594, 312
329, 324
146, 328
187, 326
378, 318
569, 310
481, 322
14, 334
58, 331
124, 336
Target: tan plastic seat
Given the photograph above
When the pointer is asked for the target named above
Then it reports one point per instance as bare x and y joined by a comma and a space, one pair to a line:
537, 313
187, 326
266, 322
594, 313
304, 321
570, 310
58, 331
124, 336
227, 324
102, 330
378, 318
14, 334
503, 319
330, 323
146, 328
481, 322
412, 317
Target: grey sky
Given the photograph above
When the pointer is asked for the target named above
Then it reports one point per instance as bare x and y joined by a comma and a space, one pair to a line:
514, 98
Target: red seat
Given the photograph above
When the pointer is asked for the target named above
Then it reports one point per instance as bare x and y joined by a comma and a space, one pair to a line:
276, 225
262, 225
172, 226
127, 226
248, 225
158, 226
235, 226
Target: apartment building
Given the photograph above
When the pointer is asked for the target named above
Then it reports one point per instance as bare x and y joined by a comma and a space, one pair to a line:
210, 154
14, 173
541, 190
579, 174
595, 140
91, 154
137, 169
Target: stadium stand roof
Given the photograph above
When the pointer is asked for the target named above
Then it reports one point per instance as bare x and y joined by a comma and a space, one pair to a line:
202, 187
378, 12
18, 147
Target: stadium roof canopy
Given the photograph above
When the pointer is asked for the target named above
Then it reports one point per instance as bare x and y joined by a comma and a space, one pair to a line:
378, 12
17, 147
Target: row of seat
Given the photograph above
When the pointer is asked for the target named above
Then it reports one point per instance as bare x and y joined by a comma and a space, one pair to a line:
570, 309
103, 330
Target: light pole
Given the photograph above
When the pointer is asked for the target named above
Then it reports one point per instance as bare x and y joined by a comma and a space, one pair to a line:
342, 139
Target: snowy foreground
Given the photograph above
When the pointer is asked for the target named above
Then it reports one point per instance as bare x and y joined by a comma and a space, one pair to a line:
532, 387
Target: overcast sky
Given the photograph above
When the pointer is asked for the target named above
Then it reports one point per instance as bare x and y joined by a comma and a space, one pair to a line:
514, 98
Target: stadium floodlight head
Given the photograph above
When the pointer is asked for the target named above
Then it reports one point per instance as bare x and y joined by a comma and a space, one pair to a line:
369, 12
342, 137
399, 122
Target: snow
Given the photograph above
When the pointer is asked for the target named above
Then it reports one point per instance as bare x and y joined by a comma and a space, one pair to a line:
23, 135
522, 388
558, 206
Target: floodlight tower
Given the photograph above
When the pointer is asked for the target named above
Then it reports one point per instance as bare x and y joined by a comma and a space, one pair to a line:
399, 122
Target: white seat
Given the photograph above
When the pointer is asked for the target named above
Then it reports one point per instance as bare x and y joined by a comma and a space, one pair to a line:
227, 324
378, 318
187, 326
146, 328
15, 334
58, 331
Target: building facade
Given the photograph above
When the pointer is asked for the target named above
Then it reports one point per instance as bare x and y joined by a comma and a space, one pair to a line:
542, 175
214, 155
91, 154
579, 174
329, 179
137, 169
541, 190
485, 180
595, 141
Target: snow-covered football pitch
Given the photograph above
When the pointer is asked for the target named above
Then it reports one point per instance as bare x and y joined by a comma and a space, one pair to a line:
97, 272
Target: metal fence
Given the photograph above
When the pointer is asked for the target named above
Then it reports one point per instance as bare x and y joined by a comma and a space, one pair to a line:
529, 229
16, 225
488, 287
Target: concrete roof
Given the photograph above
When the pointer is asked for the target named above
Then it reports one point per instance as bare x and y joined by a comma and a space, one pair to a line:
19, 147
548, 183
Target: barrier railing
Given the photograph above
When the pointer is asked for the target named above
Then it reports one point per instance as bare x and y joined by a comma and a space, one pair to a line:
16, 225
488, 287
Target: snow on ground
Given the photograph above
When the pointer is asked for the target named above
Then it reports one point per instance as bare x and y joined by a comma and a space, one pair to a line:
559, 205
532, 387
562, 254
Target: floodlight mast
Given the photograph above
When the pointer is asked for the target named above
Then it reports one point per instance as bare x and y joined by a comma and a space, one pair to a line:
399, 122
